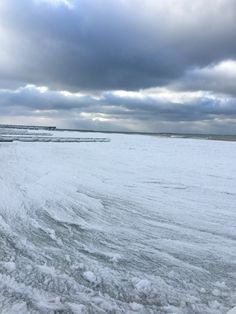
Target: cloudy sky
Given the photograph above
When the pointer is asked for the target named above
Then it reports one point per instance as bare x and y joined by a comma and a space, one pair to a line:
154, 65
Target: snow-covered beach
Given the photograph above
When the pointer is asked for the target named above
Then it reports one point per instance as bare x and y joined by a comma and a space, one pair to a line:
140, 224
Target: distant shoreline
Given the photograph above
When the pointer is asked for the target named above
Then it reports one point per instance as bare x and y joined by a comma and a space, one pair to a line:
216, 137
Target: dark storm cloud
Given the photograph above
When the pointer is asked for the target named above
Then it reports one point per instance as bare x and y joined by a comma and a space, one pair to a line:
103, 44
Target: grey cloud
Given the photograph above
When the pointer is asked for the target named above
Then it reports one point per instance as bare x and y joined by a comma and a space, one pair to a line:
144, 109
196, 110
98, 47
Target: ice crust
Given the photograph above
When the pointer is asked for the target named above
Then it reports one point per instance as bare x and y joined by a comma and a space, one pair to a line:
139, 225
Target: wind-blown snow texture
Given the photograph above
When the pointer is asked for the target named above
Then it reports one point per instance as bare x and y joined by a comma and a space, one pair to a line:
138, 225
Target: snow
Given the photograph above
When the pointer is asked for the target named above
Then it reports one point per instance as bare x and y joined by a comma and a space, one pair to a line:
138, 225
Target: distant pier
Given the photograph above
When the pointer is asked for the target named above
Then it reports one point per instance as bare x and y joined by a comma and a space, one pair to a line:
45, 139
27, 127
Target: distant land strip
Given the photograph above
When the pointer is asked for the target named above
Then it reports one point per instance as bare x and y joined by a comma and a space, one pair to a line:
216, 137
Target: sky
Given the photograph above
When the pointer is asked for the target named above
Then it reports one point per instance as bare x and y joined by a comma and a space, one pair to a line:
124, 65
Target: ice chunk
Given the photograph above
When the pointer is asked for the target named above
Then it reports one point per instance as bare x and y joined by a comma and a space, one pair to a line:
143, 285
10, 266
77, 308
136, 307
91, 277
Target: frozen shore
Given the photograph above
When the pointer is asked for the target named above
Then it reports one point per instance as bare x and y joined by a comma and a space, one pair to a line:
139, 225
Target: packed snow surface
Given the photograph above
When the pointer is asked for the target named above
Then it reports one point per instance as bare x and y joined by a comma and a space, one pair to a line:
138, 225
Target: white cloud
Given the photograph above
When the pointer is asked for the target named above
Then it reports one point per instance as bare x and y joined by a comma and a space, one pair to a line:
225, 69
66, 3
216, 78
